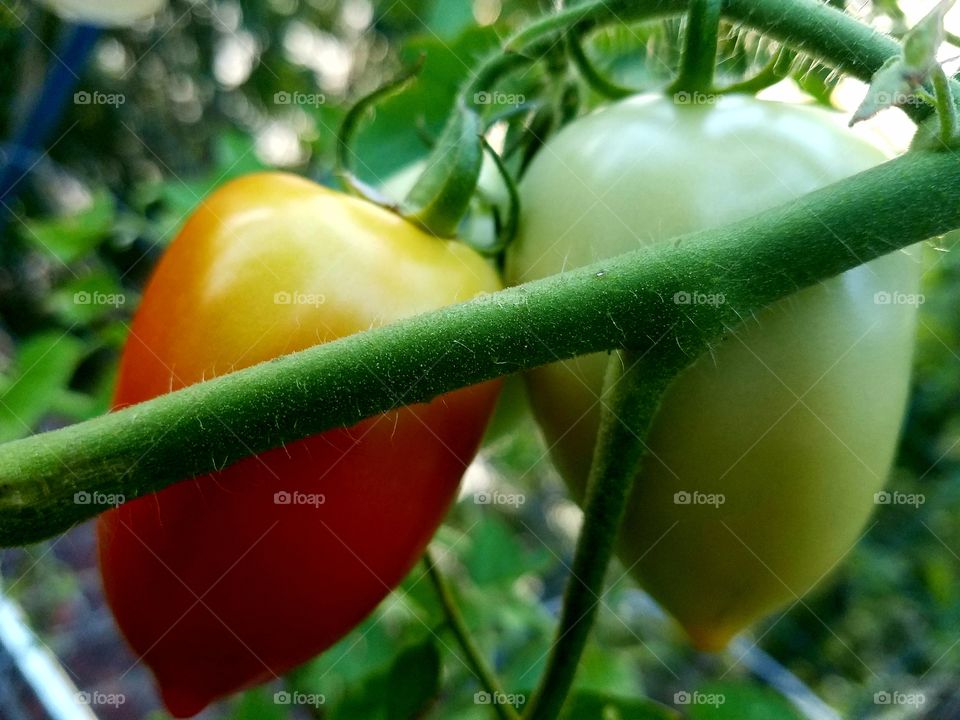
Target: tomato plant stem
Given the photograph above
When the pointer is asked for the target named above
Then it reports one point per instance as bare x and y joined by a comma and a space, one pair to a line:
811, 27
618, 302
458, 626
634, 385
699, 59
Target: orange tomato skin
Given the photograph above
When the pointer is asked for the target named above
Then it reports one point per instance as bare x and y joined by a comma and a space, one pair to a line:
230, 579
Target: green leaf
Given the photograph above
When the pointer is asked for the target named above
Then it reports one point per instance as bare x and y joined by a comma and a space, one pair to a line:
363, 701
44, 366
608, 707
257, 704
70, 237
890, 86
735, 701
87, 299
603, 670
413, 681
441, 196
234, 155
353, 675
493, 555
76, 406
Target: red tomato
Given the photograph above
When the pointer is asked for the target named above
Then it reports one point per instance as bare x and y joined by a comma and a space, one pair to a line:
232, 578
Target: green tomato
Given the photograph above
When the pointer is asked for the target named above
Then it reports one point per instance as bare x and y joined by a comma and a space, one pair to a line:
766, 454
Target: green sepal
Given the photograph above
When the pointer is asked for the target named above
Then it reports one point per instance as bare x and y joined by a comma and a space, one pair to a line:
441, 196
921, 43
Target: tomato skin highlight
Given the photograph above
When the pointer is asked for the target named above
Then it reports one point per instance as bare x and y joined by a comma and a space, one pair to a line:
793, 420
230, 579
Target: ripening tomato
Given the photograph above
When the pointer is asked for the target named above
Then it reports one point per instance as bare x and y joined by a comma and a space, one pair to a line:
766, 454
232, 578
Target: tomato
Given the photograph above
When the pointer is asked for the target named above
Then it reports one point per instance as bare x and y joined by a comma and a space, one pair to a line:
766, 454
232, 578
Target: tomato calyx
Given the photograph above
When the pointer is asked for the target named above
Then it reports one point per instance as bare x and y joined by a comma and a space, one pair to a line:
917, 76
440, 198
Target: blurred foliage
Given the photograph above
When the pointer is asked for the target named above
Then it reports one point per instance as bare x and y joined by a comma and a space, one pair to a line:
214, 90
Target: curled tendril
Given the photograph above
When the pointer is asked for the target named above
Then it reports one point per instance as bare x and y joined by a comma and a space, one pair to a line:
351, 123
591, 75
506, 228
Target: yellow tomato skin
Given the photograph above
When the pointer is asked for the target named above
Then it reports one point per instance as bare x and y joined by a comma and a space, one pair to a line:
301, 264
766, 454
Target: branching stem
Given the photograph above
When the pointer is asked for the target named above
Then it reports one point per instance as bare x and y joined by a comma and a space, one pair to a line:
458, 626
633, 388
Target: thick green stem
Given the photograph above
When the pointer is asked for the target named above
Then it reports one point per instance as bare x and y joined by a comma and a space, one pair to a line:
699, 60
458, 626
810, 26
623, 301
634, 386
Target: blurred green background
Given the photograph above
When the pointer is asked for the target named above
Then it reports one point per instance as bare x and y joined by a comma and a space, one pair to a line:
207, 91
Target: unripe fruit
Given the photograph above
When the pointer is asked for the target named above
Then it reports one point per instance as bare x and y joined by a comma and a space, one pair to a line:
766, 454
